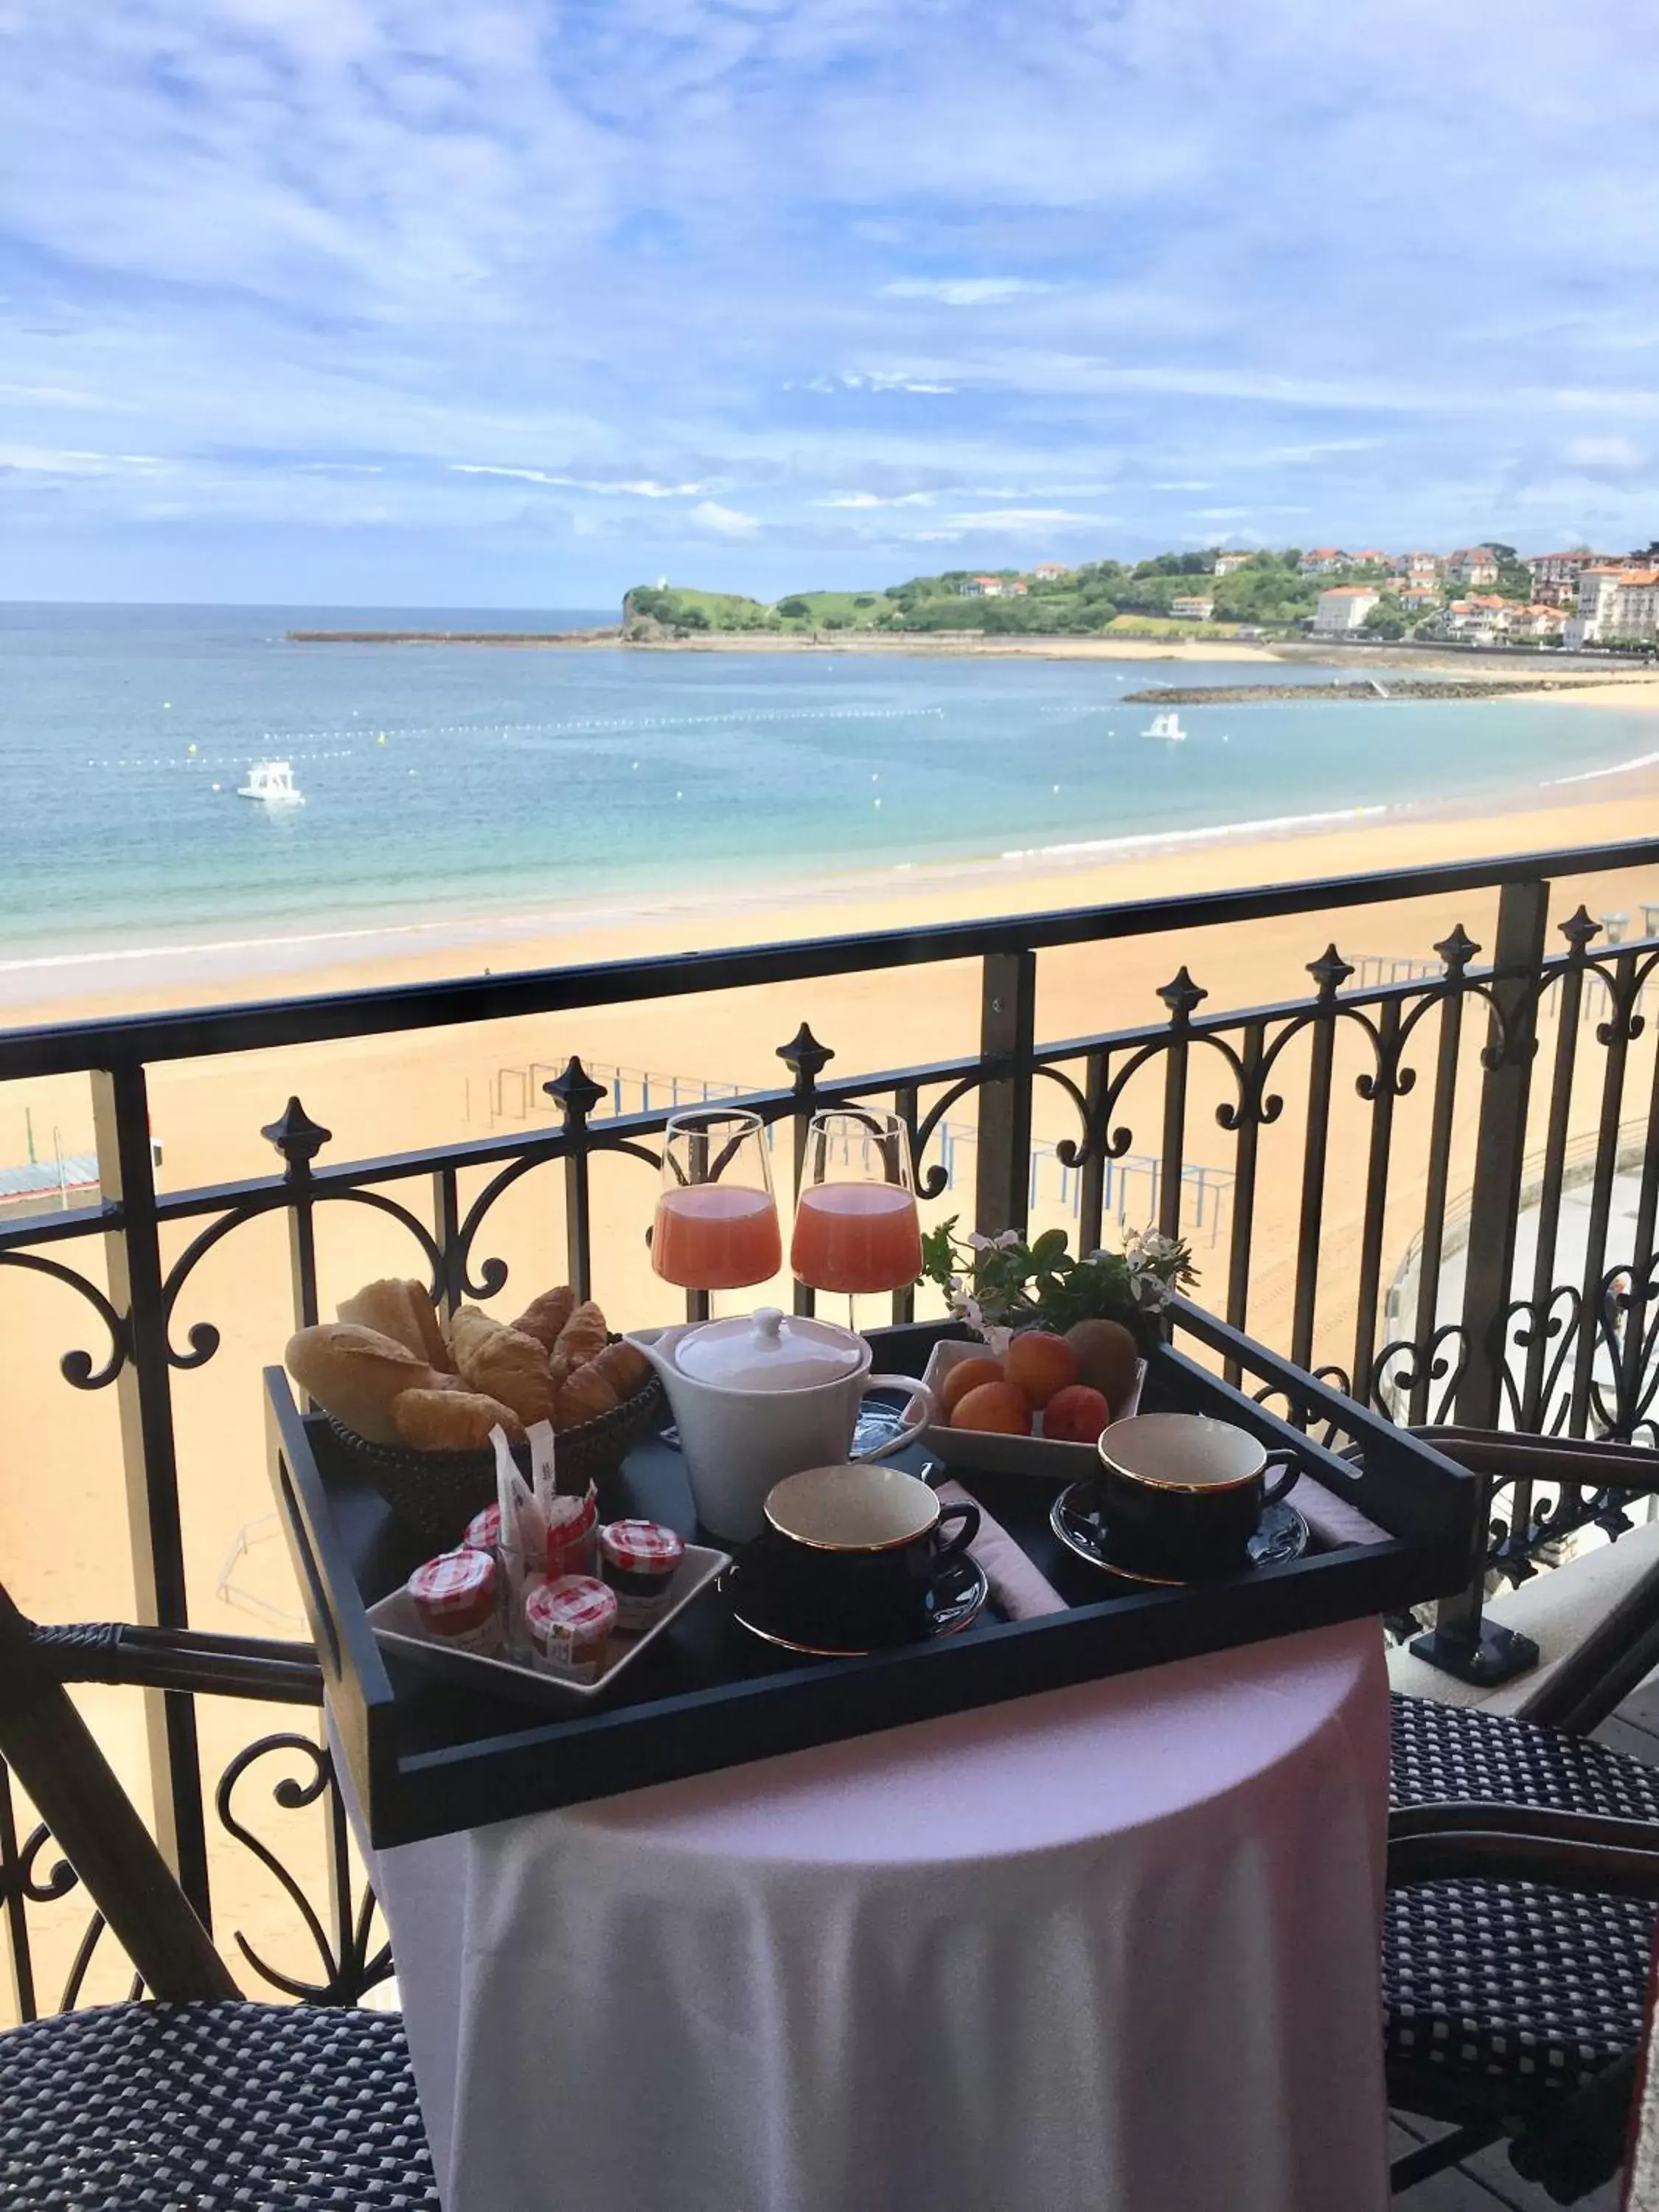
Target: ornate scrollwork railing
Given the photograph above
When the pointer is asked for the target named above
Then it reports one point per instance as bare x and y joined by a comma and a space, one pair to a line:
1419, 1308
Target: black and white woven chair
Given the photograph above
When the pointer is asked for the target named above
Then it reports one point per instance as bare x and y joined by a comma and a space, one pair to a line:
1524, 1893
199, 2099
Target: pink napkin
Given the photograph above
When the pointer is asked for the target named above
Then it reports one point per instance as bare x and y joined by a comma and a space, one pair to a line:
1016, 1584
1333, 1520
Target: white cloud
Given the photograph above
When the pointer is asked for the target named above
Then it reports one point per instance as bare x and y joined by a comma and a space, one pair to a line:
863, 499
1023, 518
640, 488
724, 521
964, 291
1618, 456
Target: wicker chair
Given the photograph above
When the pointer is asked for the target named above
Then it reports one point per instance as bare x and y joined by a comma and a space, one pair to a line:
199, 2099
1524, 1887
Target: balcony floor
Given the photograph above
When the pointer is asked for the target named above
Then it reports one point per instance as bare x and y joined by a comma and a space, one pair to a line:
1488, 2182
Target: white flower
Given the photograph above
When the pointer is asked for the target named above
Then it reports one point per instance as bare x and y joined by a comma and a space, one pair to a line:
996, 1337
1006, 1241
976, 1243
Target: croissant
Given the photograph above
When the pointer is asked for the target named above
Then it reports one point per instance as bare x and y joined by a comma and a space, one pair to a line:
403, 1311
452, 1420
356, 1373
543, 1317
513, 1367
583, 1396
624, 1366
468, 1328
581, 1338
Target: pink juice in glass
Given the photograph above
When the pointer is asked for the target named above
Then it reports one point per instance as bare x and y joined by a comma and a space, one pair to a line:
856, 1237
716, 1236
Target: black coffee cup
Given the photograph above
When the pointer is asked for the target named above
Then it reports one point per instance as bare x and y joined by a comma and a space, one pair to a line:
1181, 1494
851, 1552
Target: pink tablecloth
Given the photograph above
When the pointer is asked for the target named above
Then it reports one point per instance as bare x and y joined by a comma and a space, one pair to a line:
1111, 1949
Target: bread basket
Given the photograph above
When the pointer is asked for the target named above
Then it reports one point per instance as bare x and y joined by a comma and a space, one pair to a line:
435, 1494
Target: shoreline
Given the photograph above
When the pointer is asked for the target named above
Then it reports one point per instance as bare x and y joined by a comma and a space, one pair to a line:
337, 953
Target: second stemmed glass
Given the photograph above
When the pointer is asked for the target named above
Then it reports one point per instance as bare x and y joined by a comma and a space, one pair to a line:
856, 1227
717, 1223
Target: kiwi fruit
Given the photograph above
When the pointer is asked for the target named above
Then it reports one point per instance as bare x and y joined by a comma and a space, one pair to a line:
1107, 1356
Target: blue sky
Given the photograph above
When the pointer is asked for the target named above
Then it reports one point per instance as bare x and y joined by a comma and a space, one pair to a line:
514, 303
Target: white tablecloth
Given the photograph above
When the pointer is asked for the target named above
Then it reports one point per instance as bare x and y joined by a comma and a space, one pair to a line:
1110, 1949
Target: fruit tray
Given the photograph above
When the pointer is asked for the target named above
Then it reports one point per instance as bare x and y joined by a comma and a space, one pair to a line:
430, 1753
987, 1452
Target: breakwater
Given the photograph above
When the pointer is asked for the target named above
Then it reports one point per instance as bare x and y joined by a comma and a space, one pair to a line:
1227, 694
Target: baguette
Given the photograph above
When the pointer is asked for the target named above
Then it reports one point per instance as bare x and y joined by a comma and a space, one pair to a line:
403, 1311
356, 1373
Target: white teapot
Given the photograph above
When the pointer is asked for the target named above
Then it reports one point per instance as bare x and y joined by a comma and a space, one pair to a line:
763, 1395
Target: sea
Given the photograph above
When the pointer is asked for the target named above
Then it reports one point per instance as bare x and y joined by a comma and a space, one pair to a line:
448, 784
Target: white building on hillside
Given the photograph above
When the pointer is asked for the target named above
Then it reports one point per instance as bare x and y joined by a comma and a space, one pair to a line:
1226, 562
1322, 560
1474, 565
1615, 600
1191, 606
1422, 569
1343, 608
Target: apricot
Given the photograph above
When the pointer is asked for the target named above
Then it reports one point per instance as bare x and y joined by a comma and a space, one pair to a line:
967, 1375
1075, 1415
1040, 1364
996, 1405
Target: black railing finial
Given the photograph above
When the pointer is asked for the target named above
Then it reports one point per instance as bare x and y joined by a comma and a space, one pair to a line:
805, 1059
1578, 929
1457, 950
575, 1091
1330, 971
297, 1138
1182, 997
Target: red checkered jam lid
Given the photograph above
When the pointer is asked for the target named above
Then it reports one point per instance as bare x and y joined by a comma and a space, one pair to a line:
483, 1530
577, 1606
641, 1546
453, 1583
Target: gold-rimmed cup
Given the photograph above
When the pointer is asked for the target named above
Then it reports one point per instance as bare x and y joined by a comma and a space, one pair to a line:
852, 1551
1183, 1493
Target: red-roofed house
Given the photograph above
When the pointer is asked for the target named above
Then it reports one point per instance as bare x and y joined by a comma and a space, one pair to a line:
1474, 564
1322, 560
1422, 569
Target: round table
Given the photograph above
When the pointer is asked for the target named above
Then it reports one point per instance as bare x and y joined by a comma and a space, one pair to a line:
1112, 1947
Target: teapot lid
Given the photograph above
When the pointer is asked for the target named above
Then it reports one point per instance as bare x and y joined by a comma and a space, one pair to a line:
769, 1350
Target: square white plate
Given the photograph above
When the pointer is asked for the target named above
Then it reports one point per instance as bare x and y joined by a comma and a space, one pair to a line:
999, 1455
395, 1621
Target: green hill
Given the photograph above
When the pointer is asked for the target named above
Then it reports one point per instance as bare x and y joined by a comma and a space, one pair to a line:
1266, 593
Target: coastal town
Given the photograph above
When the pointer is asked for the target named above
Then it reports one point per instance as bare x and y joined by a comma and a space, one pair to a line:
1486, 595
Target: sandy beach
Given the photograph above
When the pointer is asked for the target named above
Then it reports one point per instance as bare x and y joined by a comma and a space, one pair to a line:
63, 1511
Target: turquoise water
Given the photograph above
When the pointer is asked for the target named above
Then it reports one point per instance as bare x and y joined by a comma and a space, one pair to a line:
533, 780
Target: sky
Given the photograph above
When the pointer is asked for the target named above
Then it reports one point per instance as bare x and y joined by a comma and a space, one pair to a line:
516, 303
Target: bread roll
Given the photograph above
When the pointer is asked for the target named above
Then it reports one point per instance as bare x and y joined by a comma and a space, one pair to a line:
403, 1310
356, 1373
543, 1317
583, 1396
452, 1420
581, 1338
468, 1330
624, 1366
510, 1365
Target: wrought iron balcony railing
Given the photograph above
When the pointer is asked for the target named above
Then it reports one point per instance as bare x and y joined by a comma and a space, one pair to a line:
1373, 1240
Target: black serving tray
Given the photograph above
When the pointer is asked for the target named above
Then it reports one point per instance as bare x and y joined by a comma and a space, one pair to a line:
428, 1757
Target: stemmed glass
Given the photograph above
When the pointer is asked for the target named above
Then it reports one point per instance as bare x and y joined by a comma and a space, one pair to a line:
717, 1223
856, 1227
